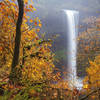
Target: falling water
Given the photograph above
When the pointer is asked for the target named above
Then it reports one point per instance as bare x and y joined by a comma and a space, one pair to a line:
72, 22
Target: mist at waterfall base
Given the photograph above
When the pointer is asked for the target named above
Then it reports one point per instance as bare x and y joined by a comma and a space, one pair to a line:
72, 18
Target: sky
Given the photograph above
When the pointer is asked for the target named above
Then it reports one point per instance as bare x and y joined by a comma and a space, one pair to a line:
49, 11
81, 5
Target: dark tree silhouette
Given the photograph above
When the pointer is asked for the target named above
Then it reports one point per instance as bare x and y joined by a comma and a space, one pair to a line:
17, 42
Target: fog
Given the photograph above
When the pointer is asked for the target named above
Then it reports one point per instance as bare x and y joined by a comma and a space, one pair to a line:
53, 21
48, 10
81, 5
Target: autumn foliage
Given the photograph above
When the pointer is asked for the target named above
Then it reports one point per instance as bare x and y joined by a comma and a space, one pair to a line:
36, 59
36, 72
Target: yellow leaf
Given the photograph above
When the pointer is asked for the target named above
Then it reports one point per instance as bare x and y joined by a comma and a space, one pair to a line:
26, 1
38, 30
40, 25
85, 86
34, 9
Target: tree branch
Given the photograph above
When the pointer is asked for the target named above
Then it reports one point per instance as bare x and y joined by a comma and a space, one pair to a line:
85, 97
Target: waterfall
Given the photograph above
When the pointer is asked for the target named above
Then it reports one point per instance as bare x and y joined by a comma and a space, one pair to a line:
72, 31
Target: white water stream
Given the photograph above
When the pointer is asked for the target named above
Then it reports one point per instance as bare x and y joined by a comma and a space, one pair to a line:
72, 31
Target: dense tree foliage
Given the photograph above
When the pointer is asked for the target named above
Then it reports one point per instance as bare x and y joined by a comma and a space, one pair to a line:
36, 59
88, 43
34, 66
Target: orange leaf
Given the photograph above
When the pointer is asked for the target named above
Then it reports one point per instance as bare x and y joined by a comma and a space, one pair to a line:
35, 23
38, 30
31, 21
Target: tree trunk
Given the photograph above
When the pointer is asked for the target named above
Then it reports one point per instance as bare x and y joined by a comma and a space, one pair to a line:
13, 77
